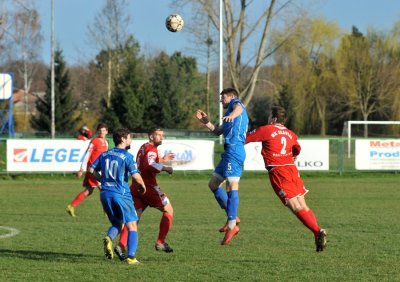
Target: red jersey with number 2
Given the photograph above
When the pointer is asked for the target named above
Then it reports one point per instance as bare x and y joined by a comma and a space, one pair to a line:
279, 144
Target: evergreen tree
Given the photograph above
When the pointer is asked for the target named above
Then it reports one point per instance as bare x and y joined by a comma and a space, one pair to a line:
66, 118
128, 97
176, 91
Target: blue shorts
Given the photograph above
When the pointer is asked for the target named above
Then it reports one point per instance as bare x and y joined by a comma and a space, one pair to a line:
232, 161
119, 209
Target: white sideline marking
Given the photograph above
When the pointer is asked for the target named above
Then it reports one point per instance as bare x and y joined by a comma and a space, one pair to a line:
13, 232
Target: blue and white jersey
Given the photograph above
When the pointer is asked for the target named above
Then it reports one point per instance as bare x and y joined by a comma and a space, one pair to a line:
115, 166
235, 132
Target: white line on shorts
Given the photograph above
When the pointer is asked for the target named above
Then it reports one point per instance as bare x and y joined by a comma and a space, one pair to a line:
12, 232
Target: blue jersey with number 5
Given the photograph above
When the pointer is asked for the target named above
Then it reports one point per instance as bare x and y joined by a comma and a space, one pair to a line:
115, 166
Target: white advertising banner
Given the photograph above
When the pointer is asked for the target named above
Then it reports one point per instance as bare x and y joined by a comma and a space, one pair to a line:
45, 155
67, 155
314, 155
378, 154
189, 154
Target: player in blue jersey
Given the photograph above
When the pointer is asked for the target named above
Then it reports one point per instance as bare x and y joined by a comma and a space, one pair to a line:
234, 129
115, 165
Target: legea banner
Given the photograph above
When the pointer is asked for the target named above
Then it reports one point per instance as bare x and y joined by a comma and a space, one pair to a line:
67, 155
189, 154
378, 154
314, 155
45, 155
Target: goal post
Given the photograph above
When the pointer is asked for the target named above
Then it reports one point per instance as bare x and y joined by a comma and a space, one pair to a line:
350, 122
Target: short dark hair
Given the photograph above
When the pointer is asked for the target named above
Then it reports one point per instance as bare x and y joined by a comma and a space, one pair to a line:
119, 134
230, 90
279, 113
154, 129
101, 125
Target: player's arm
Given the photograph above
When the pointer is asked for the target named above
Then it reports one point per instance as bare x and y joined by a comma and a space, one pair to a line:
203, 118
255, 135
88, 152
95, 168
136, 177
296, 148
237, 111
95, 173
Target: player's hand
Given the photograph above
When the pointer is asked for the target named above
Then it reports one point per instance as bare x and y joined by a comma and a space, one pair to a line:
79, 173
168, 157
202, 117
228, 118
169, 169
142, 189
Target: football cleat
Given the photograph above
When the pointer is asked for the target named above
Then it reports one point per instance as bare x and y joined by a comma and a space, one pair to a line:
132, 261
229, 234
163, 248
320, 241
70, 210
225, 227
121, 254
108, 249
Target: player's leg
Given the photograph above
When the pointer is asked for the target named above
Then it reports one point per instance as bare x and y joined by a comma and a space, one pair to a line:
307, 217
165, 225
115, 228
70, 209
232, 208
219, 193
120, 249
133, 240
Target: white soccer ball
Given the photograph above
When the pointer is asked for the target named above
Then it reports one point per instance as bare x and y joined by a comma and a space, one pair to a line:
174, 23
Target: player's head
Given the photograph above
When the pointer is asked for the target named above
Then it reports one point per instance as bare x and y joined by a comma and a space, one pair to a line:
102, 130
156, 135
277, 115
227, 95
122, 136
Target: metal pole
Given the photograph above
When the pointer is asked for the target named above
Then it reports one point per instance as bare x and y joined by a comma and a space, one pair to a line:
221, 60
53, 123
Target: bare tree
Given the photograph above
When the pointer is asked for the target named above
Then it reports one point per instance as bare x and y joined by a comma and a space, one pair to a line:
23, 43
242, 27
109, 31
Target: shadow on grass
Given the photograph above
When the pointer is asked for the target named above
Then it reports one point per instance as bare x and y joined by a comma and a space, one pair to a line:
45, 256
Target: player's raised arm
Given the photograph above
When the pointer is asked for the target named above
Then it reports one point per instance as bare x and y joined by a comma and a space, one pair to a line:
203, 118
237, 110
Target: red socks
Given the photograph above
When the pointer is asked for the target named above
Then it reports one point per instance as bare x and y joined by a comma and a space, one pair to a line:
123, 238
165, 226
309, 220
78, 199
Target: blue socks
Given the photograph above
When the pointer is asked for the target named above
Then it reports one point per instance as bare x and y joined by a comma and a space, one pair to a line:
232, 204
113, 231
221, 197
132, 243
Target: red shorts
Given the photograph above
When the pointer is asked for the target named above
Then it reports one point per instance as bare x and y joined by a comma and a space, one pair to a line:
286, 182
90, 181
153, 197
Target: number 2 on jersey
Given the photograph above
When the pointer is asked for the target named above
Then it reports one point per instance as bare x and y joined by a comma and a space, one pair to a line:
284, 144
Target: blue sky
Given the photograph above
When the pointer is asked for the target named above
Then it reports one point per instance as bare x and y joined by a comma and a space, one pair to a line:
72, 18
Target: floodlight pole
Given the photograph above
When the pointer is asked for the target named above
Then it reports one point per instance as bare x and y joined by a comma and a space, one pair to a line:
53, 123
221, 68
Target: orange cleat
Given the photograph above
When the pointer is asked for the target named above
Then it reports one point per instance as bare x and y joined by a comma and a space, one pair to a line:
229, 234
225, 227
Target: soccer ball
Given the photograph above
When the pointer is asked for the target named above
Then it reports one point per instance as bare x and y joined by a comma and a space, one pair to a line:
174, 23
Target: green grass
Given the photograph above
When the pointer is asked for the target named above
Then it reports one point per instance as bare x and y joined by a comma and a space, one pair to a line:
359, 212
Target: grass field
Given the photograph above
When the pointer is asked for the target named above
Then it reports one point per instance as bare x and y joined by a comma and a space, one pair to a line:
360, 213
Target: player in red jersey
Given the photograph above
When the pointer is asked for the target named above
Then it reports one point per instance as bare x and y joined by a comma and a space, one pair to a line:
97, 146
150, 164
279, 150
